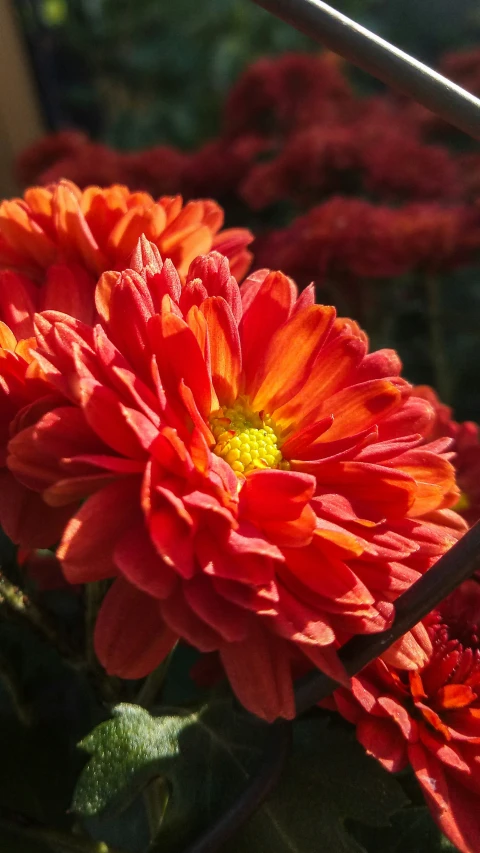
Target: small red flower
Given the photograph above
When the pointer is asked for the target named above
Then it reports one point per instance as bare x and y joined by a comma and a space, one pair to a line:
430, 718
250, 475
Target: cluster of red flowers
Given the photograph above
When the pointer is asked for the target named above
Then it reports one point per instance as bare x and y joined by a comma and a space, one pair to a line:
351, 238
293, 128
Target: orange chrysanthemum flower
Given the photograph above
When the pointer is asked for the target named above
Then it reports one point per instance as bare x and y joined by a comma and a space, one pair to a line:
250, 475
57, 240
431, 718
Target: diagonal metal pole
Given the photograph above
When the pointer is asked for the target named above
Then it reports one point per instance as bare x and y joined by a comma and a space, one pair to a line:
381, 59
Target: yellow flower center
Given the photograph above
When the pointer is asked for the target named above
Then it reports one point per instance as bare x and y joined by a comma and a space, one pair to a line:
247, 440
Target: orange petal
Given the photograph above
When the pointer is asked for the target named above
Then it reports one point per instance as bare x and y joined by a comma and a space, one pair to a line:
332, 369
225, 350
27, 237
435, 479
456, 696
289, 357
268, 310
73, 231
103, 292
359, 407
8, 340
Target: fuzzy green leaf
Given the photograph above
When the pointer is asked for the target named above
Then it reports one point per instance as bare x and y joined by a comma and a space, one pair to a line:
204, 757
207, 756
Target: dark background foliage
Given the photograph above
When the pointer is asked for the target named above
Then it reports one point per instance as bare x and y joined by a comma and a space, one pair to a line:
141, 72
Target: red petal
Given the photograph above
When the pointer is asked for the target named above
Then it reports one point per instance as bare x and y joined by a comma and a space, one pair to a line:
179, 615
453, 807
70, 289
383, 740
125, 430
86, 550
225, 618
275, 495
258, 669
17, 302
139, 562
130, 637
179, 357
26, 518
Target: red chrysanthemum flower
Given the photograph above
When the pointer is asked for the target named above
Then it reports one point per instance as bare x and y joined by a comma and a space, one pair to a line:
251, 476
466, 449
431, 718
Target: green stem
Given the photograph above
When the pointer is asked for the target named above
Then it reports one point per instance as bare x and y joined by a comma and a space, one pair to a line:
94, 594
438, 349
106, 686
156, 796
153, 684
12, 685
17, 605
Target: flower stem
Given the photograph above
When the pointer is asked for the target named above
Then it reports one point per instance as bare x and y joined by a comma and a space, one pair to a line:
438, 349
156, 796
12, 685
153, 684
94, 594
18, 606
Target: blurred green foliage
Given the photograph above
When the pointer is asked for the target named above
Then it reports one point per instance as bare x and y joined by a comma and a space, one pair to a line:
142, 72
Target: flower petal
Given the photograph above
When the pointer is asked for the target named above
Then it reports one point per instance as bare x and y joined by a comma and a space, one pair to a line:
130, 637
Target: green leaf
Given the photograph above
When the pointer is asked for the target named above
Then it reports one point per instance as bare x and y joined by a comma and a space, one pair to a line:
205, 757
412, 830
328, 780
126, 753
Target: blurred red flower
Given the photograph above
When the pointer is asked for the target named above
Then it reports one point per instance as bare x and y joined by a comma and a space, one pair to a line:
250, 475
353, 238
